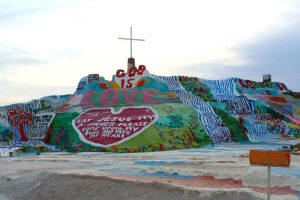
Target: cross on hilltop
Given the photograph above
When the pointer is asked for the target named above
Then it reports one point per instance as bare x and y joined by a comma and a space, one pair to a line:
131, 59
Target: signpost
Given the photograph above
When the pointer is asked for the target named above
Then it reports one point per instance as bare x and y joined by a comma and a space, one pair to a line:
270, 159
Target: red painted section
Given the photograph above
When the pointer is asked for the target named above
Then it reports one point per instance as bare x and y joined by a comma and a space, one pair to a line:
22, 132
20, 118
211, 182
105, 127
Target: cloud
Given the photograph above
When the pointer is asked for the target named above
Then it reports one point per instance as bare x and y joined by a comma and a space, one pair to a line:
11, 10
12, 56
15, 92
274, 52
277, 53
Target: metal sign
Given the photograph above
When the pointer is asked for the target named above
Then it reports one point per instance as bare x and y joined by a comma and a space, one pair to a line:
269, 158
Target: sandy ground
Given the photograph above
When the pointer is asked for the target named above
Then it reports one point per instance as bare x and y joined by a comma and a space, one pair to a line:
213, 173
57, 186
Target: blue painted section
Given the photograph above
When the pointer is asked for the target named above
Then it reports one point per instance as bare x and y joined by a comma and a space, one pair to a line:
157, 162
240, 106
13, 145
159, 174
259, 132
291, 171
151, 83
232, 147
222, 89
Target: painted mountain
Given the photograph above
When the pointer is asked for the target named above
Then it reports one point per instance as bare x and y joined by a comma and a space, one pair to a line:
141, 112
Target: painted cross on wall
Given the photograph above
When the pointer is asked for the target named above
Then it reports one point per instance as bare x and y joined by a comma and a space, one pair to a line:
18, 119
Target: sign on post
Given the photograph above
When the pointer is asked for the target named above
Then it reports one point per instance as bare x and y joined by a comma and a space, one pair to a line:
270, 159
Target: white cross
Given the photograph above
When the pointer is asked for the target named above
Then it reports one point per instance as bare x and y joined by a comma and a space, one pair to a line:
131, 41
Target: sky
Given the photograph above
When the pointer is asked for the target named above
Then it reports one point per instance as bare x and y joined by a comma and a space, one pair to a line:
47, 46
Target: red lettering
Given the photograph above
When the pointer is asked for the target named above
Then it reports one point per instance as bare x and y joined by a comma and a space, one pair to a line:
120, 73
129, 83
132, 71
141, 69
122, 83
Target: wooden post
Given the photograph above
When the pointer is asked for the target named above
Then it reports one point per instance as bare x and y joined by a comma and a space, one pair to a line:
269, 182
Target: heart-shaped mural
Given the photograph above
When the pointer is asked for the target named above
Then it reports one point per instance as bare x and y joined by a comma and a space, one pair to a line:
103, 127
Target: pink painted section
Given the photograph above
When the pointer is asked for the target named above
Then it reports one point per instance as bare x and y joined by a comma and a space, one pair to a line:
148, 96
129, 99
86, 99
210, 182
295, 120
104, 99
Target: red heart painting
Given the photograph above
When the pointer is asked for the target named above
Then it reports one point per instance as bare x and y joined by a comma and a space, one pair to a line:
103, 127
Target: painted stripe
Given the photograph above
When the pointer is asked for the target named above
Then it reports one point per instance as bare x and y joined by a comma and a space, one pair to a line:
212, 123
221, 89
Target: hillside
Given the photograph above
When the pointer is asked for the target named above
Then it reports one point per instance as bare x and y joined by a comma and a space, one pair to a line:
141, 112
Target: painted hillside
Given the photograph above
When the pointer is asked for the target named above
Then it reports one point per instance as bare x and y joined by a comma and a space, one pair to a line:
141, 112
